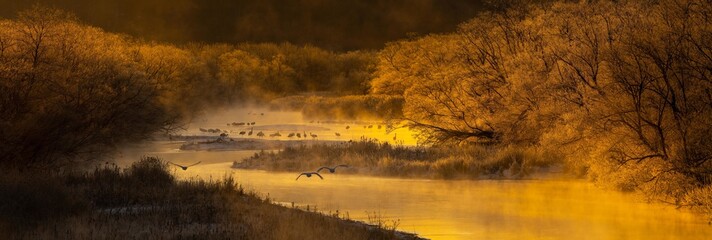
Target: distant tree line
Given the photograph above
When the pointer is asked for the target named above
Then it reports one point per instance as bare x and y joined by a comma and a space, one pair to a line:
266, 71
624, 88
342, 107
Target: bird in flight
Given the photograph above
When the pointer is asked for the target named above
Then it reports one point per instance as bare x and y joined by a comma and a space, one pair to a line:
185, 167
309, 174
331, 169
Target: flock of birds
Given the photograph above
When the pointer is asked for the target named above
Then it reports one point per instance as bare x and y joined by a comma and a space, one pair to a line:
212, 130
277, 134
331, 170
308, 174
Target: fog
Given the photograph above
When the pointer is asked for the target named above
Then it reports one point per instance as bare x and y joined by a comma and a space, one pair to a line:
503, 100
550, 207
234, 120
440, 209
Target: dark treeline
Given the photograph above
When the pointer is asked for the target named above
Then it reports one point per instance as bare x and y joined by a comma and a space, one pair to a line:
623, 88
330, 24
69, 91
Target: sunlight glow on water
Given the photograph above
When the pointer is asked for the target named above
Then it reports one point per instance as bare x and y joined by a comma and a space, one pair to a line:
438, 209
293, 122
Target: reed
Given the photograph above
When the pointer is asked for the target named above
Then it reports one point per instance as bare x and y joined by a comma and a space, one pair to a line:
375, 158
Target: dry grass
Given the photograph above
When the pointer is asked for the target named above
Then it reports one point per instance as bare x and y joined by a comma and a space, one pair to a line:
374, 158
145, 201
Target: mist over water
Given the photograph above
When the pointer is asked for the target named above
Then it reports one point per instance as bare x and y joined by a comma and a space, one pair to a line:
436, 209
495, 209
284, 122
489, 209
529, 90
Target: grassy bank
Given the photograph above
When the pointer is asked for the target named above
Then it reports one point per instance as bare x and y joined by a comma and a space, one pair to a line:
384, 159
147, 201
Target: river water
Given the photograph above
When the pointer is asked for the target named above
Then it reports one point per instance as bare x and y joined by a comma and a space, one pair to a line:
443, 209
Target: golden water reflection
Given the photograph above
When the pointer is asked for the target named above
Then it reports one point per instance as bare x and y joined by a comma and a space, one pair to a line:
544, 209
270, 122
437, 209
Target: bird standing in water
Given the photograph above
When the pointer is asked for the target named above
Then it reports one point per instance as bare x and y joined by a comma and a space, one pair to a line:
185, 167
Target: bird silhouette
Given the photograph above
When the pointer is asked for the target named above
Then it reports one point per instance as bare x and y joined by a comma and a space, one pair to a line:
313, 135
260, 134
338, 134
290, 135
395, 136
185, 167
332, 169
250, 133
347, 127
309, 174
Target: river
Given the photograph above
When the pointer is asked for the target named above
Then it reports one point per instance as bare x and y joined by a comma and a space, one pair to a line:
445, 209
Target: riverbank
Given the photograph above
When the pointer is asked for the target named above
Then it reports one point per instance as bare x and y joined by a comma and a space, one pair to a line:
146, 201
375, 158
208, 143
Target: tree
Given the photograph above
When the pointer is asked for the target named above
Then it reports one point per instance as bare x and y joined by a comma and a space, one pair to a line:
625, 84
486, 83
657, 105
71, 91
241, 74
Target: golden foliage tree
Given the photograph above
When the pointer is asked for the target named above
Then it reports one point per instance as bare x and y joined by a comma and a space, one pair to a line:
69, 90
625, 85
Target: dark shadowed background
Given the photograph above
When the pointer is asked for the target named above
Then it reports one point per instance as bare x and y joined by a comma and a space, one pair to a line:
330, 24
